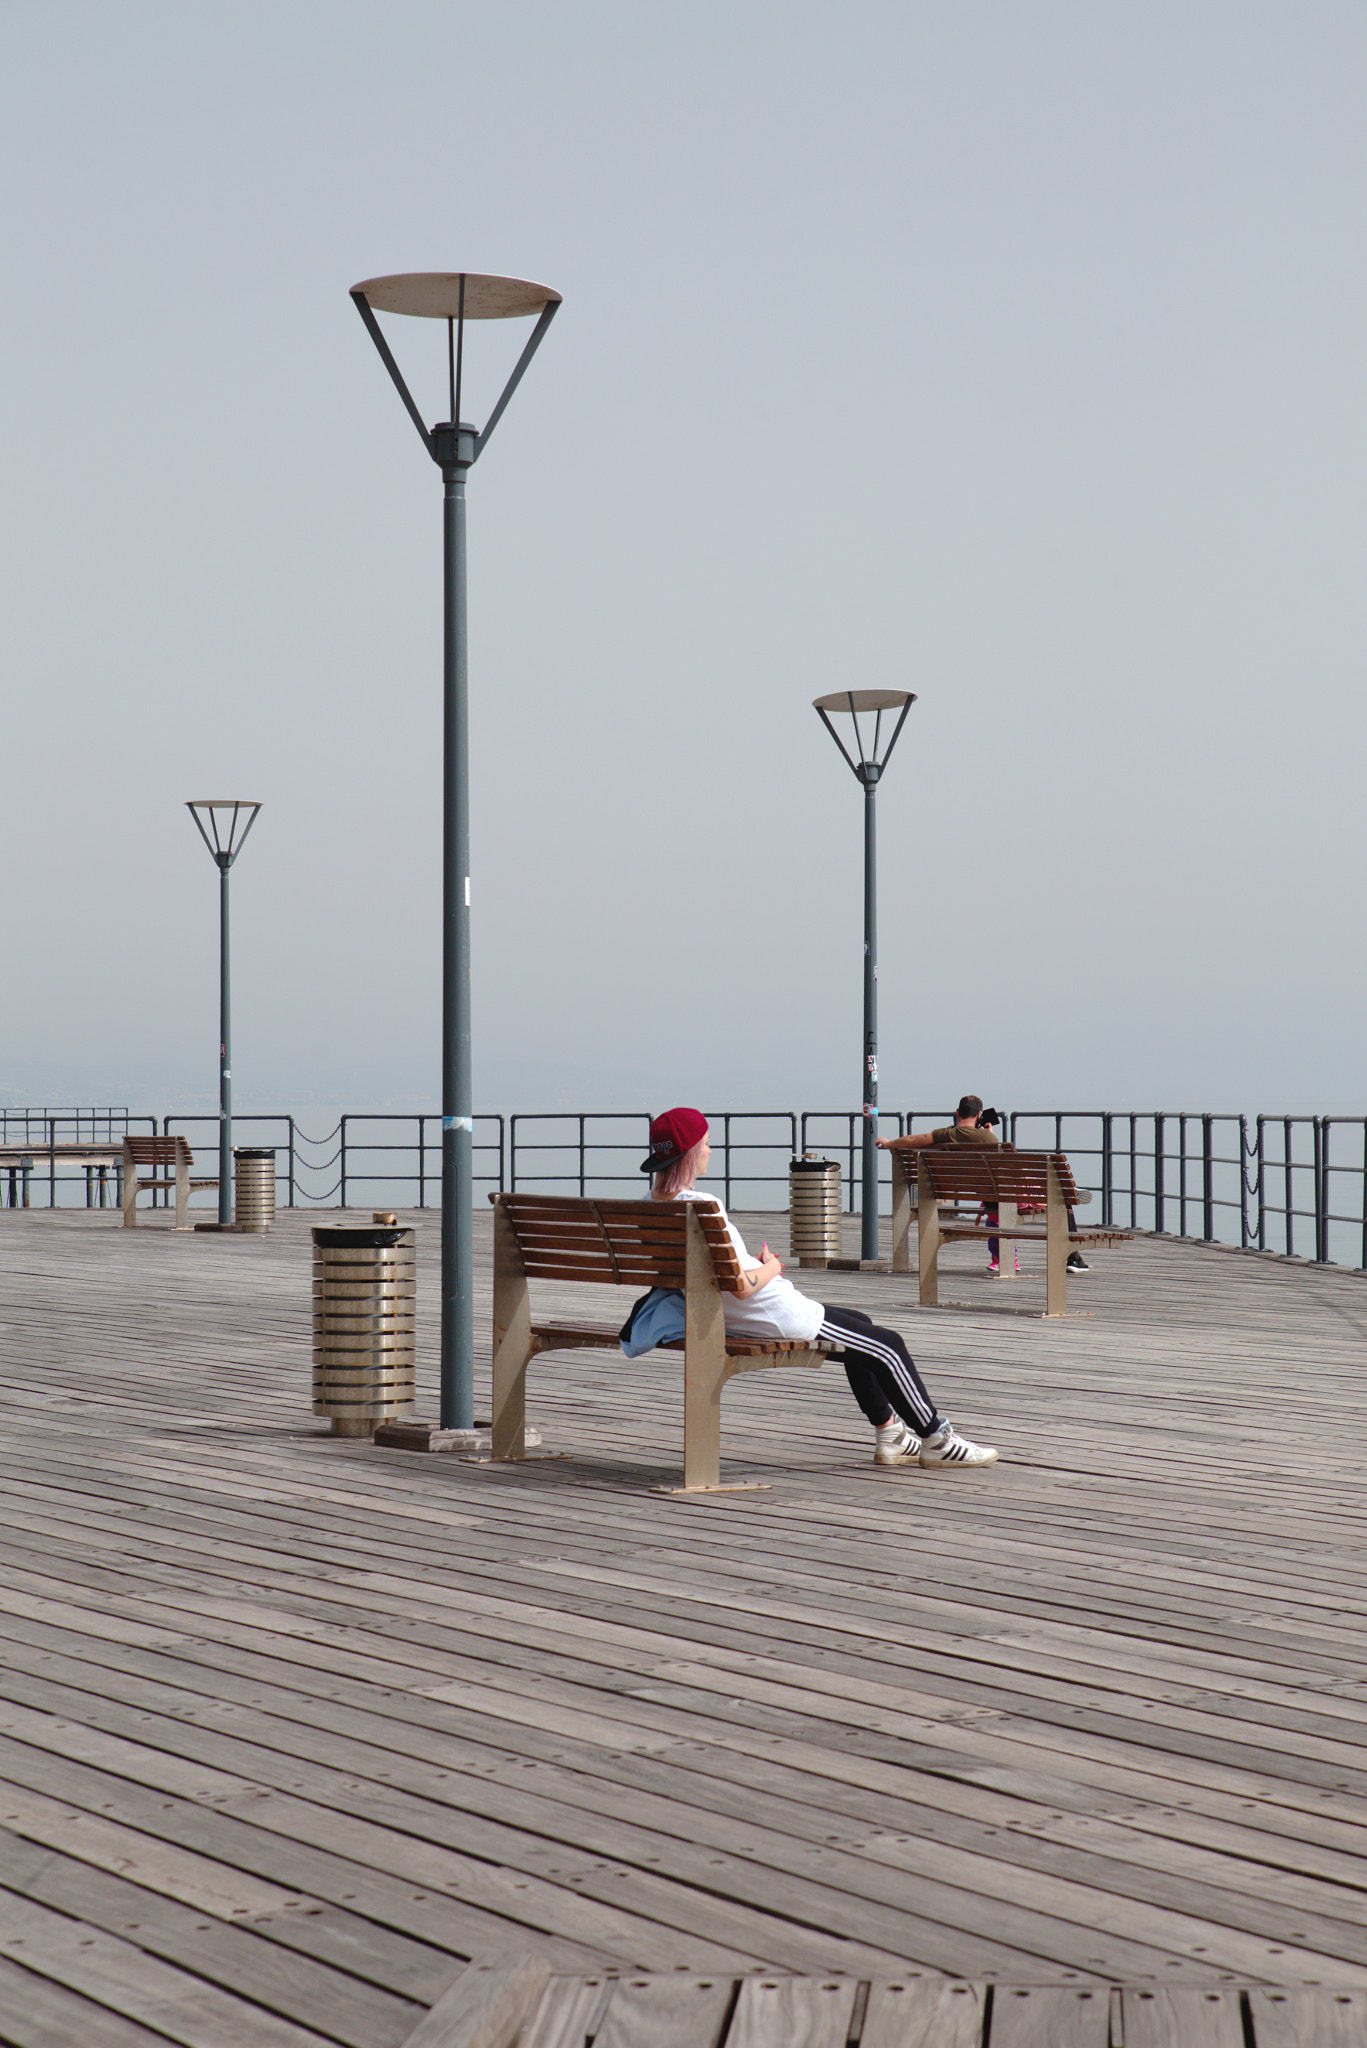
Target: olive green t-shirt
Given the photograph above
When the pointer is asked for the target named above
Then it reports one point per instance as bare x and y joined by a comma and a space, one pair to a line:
952, 1134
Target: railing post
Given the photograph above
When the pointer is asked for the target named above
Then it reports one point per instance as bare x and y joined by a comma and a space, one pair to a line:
1321, 1158
1158, 1194
1207, 1171
1107, 1176
342, 1189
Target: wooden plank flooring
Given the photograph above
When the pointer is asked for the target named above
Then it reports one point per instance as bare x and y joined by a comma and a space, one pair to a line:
291, 1727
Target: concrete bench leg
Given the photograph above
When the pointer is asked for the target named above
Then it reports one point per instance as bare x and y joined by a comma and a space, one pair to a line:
1056, 1249
928, 1240
902, 1213
1007, 1220
512, 1342
704, 1363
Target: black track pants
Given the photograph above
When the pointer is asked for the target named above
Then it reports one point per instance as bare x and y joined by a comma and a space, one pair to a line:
880, 1370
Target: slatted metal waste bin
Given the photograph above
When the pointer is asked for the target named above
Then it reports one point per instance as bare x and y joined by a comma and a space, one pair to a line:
364, 1298
254, 1186
814, 1210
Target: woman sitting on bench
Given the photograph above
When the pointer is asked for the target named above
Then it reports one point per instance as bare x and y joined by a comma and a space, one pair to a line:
909, 1430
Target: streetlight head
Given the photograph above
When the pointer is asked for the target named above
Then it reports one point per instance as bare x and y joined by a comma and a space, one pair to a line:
437, 295
454, 296
870, 765
864, 700
221, 817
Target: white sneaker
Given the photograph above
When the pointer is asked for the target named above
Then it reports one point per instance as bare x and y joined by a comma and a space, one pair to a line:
947, 1448
896, 1448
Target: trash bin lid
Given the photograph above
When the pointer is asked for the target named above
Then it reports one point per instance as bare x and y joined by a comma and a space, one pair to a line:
254, 1151
350, 1237
811, 1165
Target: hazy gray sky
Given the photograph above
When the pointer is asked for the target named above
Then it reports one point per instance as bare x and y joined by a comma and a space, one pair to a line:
1012, 355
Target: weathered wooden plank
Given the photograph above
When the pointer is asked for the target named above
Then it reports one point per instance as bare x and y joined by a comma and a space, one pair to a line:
1050, 2016
1182, 2014
1325, 2017
666, 2012
792, 2012
923, 2012
486, 2007
568, 2013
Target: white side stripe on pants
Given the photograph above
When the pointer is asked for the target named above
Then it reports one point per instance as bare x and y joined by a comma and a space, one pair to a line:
872, 1346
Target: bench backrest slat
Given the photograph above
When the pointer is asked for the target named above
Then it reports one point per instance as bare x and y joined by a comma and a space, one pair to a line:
158, 1151
988, 1173
634, 1244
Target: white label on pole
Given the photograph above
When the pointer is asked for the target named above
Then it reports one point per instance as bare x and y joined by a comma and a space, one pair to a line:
458, 1123
467, 892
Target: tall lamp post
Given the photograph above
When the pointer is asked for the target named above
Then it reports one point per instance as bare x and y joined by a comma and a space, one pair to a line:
868, 769
455, 297
225, 844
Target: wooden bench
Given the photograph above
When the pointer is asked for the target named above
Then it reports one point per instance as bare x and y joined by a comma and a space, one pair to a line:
630, 1244
951, 1177
159, 1154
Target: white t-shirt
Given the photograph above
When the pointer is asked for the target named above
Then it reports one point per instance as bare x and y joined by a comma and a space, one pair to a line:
778, 1310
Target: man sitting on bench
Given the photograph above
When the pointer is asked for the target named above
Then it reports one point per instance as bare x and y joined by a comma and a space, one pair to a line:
971, 1126
909, 1429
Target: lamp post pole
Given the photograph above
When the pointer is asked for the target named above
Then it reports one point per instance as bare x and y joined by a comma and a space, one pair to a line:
868, 1202
224, 852
456, 451
868, 771
225, 1055
455, 297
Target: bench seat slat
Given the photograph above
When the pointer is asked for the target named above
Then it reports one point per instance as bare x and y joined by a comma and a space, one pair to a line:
583, 1334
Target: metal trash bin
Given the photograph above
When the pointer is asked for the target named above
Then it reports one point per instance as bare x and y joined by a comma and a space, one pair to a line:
364, 1298
814, 1210
254, 1186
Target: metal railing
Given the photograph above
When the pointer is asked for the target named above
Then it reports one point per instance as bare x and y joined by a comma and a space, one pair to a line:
599, 1152
1289, 1184
848, 1145
378, 1156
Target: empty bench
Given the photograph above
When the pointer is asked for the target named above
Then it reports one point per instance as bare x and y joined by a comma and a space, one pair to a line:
638, 1245
170, 1160
947, 1178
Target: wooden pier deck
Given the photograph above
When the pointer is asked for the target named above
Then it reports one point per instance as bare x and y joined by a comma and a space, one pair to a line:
1070, 1750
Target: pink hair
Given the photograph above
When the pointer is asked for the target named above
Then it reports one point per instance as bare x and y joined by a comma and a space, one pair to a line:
677, 1177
